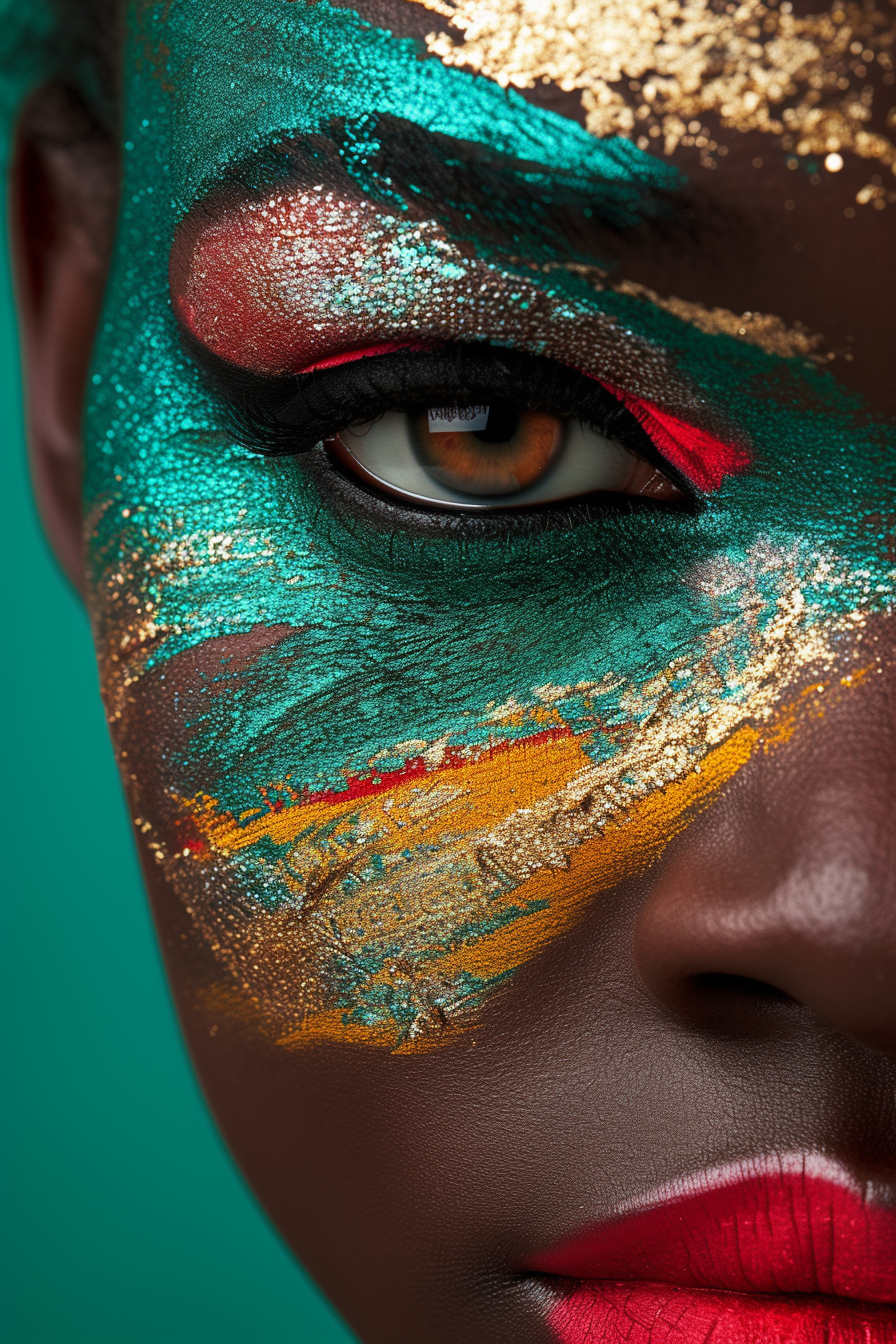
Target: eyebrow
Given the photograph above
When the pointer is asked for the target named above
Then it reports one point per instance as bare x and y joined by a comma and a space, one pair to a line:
507, 210
301, 66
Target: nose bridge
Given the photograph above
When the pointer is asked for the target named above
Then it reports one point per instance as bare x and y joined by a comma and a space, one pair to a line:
789, 881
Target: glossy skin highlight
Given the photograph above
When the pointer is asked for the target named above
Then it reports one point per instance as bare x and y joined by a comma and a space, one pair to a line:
502, 878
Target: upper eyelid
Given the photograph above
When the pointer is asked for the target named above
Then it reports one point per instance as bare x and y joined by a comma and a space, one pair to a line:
694, 458
237, 385
258, 403
231, 262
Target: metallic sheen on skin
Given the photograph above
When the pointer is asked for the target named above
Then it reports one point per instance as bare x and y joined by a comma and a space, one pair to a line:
656, 65
395, 905
240, 283
291, 279
385, 770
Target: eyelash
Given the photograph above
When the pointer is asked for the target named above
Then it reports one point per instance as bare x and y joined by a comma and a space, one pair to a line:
290, 417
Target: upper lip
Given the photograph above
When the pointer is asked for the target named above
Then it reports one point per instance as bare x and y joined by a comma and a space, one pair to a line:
797, 1224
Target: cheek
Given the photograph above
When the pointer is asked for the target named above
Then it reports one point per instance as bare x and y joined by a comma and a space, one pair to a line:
373, 909
371, 857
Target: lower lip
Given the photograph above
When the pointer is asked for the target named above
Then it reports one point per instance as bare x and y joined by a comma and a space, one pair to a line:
783, 1250
646, 1313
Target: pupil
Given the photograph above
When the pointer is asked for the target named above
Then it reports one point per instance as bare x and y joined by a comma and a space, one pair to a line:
503, 422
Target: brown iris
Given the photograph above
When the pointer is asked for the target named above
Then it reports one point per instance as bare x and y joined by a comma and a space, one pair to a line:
514, 450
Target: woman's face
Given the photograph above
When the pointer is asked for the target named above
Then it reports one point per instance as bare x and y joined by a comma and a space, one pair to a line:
514, 774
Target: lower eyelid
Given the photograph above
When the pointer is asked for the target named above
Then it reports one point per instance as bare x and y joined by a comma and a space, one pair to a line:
347, 497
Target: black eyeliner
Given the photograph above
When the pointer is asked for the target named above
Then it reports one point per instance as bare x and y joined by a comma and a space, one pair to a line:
284, 417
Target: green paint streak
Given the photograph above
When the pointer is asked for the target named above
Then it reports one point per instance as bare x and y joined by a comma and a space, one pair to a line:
398, 637
263, 68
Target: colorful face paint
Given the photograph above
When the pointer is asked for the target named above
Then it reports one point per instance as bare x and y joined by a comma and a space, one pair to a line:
654, 68
291, 281
381, 768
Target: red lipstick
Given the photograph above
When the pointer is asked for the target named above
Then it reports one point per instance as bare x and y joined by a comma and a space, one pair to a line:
767, 1252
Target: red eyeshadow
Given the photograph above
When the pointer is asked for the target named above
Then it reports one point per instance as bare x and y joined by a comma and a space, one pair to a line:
254, 287
700, 457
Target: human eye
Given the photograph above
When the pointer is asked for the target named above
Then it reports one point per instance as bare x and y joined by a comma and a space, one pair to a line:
463, 430
498, 455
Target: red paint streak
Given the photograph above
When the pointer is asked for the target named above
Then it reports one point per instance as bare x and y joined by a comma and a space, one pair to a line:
694, 1266
698, 455
415, 767
365, 352
189, 838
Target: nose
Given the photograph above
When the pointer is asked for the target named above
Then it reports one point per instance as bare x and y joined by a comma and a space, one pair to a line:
786, 888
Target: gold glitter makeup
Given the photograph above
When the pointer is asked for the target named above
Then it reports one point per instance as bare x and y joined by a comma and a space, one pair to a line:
468, 867
764, 330
652, 70
381, 764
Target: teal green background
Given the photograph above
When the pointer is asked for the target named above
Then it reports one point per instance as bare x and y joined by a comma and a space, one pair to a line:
124, 1220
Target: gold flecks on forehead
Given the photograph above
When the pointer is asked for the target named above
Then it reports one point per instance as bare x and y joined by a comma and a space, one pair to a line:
652, 69
768, 332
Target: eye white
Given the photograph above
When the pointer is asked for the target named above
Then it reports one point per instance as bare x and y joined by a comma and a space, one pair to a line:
585, 462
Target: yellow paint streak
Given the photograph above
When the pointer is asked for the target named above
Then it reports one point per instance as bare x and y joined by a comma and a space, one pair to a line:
626, 847
329, 1026
564, 878
221, 1001
451, 801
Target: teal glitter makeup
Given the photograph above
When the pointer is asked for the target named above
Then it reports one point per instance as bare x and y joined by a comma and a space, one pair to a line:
239, 80
367, 759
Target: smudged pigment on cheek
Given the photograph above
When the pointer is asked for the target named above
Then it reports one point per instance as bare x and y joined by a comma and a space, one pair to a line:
381, 772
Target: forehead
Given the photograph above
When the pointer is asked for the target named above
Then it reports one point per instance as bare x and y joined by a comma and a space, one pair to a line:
662, 75
772, 117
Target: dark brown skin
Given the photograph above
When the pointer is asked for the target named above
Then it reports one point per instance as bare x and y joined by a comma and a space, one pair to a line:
62, 220
738, 999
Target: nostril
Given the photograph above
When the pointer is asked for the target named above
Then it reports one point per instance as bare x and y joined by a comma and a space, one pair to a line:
721, 985
724, 1004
